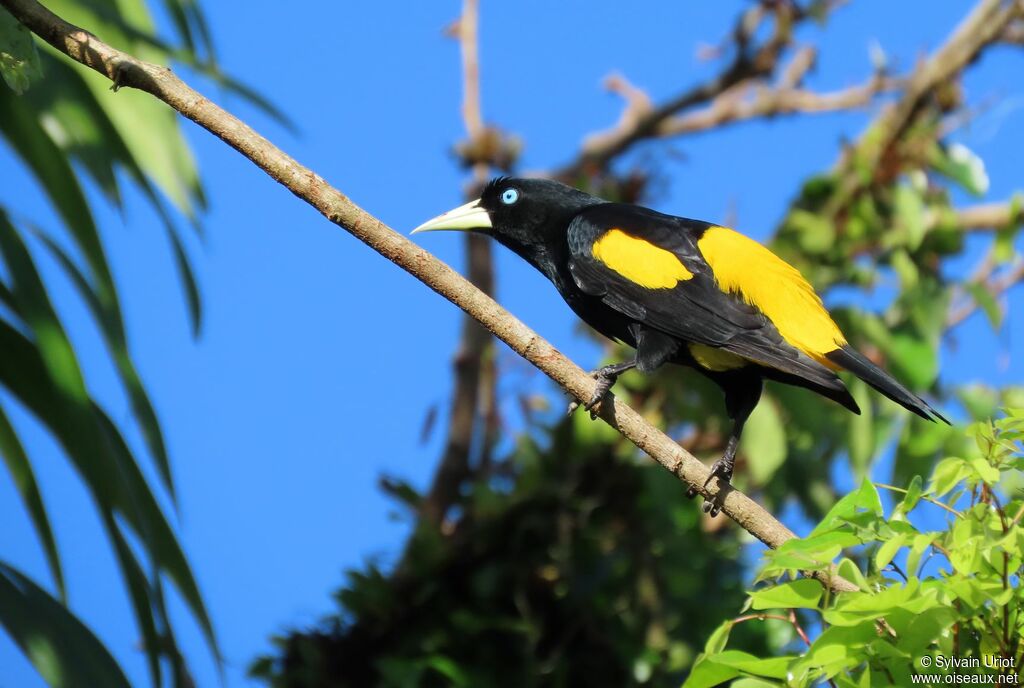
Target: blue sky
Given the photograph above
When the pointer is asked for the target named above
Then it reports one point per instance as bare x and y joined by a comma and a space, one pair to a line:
319, 360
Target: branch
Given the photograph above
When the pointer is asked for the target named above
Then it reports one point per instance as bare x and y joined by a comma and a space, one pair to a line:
641, 119
126, 71
474, 368
748, 101
982, 26
984, 216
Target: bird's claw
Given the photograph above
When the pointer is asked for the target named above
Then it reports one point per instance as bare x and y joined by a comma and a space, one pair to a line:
605, 380
721, 469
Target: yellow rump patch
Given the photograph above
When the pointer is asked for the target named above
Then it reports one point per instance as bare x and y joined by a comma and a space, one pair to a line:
745, 267
639, 260
714, 359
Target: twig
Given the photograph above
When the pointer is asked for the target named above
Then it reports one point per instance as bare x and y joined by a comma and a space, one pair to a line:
981, 26
126, 71
996, 287
745, 101
926, 498
601, 148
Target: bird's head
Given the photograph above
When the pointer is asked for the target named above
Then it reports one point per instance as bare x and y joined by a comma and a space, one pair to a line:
530, 216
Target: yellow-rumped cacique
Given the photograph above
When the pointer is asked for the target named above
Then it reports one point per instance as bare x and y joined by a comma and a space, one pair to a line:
678, 291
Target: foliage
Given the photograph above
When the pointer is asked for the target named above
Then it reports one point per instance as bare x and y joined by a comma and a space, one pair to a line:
927, 596
583, 566
77, 139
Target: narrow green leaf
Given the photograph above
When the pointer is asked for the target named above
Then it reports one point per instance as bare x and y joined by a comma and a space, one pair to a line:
19, 61
188, 280
64, 652
141, 598
104, 460
24, 477
109, 321
50, 166
143, 513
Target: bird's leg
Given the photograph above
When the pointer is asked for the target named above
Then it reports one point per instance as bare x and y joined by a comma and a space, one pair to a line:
606, 377
740, 399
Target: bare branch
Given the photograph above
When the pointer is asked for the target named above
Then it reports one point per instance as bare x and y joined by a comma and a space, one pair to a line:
981, 27
984, 216
749, 101
127, 71
473, 400
748, 69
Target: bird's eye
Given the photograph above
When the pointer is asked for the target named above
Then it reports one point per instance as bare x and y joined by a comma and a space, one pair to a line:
509, 196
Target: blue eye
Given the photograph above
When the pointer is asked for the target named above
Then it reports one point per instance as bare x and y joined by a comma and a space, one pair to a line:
509, 196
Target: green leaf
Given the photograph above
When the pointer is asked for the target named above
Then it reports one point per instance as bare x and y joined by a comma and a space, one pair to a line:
159, 147
64, 652
981, 401
909, 208
141, 598
764, 441
799, 594
50, 166
864, 497
888, 550
835, 649
905, 269
986, 302
19, 61
947, 474
707, 673
188, 279
772, 667
750, 682
915, 360
108, 317
99, 452
814, 233
24, 477
960, 164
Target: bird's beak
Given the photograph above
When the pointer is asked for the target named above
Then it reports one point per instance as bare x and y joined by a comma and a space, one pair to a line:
464, 218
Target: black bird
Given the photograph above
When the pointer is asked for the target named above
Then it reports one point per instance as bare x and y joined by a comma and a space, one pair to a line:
678, 291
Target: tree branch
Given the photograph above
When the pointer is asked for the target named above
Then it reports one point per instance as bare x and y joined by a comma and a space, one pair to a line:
751, 63
984, 216
126, 71
980, 27
473, 399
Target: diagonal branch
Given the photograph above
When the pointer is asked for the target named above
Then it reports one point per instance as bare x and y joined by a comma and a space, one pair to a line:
126, 71
982, 25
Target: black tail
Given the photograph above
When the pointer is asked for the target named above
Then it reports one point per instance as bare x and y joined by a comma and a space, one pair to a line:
852, 360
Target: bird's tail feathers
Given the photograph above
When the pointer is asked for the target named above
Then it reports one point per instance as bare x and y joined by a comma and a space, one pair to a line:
852, 360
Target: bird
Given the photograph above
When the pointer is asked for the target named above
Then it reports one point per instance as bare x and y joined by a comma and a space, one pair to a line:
678, 291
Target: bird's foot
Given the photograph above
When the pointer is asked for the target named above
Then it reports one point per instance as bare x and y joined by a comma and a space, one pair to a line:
606, 377
721, 469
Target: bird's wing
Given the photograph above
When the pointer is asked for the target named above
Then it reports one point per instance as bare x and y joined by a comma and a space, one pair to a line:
651, 267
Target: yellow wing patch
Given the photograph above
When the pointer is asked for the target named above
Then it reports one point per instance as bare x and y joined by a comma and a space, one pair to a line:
745, 267
714, 359
639, 260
